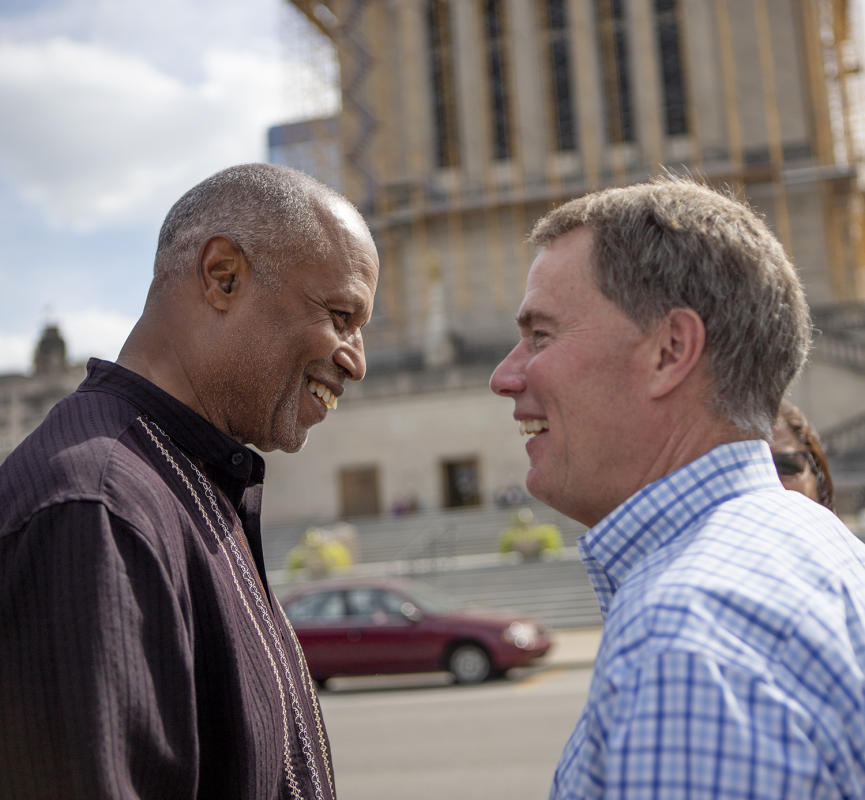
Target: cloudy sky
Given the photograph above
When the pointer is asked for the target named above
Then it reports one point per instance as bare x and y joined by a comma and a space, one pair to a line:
110, 110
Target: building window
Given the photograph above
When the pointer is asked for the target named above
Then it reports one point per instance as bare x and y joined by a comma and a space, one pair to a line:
667, 29
461, 483
441, 70
359, 492
494, 30
613, 39
564, 137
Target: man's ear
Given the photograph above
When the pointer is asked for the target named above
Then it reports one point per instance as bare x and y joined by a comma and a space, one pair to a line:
224, 270
680, 340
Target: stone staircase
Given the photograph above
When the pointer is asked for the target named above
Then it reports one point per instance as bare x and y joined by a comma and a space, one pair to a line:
442, 534
840, 336
457, 551
556, 592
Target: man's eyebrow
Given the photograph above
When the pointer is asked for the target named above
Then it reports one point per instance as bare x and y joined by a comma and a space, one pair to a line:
528, 318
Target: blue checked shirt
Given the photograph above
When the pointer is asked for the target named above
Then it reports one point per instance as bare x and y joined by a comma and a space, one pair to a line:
732, 663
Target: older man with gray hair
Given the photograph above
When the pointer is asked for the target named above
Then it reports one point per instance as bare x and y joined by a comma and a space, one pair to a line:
142, 654
660, 328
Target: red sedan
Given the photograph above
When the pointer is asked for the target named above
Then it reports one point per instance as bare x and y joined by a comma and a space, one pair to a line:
367, 627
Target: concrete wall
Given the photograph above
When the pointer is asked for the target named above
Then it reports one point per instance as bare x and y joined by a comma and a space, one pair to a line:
829, 394
407, 438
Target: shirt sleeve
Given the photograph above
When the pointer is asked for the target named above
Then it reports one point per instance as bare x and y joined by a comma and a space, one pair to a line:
96, 670
681, 726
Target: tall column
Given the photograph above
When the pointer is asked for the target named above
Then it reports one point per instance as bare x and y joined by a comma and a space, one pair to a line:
414, 116
586, 79
701, 64
473, 112
646, 90
531, 98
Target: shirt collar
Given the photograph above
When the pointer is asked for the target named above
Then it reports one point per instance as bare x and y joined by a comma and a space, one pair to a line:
228, 462
660, 511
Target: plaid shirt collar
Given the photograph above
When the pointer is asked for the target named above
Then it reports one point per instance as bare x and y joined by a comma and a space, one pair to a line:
659, 512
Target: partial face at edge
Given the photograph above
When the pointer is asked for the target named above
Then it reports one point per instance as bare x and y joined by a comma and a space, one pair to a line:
785, 441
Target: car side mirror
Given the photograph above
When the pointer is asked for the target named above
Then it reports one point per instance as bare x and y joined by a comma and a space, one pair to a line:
411, 612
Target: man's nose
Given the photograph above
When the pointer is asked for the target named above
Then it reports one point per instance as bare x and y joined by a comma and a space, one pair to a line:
508, 378
351, 357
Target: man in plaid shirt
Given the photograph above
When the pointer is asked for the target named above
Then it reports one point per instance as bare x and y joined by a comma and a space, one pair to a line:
660, 328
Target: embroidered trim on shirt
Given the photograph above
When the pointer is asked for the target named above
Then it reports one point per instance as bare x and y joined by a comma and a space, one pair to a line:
264, 615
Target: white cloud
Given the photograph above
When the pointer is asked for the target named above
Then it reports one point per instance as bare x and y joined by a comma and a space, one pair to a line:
100, 137
87, 332
94, 332
16, 352
111, 110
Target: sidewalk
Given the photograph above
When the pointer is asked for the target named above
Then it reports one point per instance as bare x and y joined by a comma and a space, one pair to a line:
573, 648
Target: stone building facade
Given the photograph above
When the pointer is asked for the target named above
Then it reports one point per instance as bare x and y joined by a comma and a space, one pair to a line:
464, 120
26, 399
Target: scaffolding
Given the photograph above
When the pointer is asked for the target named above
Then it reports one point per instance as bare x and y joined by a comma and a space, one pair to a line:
460, 122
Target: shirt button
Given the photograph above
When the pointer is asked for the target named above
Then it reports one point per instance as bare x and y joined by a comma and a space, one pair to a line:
237, 459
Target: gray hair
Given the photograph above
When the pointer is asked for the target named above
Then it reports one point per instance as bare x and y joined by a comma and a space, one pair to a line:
269, 211
672, 243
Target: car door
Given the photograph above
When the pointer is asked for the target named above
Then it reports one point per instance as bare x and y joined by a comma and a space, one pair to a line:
320, 619
385, 638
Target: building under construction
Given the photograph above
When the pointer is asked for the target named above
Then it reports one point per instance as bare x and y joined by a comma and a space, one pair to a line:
462, 121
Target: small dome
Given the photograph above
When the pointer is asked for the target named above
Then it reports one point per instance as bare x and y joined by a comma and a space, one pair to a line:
50, 355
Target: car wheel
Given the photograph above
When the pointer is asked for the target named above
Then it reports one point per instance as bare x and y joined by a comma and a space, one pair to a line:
469, 663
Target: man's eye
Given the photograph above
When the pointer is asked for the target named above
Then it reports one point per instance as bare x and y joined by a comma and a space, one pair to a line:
538, 337
340, 317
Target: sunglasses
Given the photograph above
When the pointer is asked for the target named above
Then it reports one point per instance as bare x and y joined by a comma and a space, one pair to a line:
792, 463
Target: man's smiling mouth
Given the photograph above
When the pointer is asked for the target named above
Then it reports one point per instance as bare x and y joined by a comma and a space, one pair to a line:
531, 427
325, 395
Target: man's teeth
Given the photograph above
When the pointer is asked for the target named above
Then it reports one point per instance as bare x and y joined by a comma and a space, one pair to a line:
322, 393
529, 427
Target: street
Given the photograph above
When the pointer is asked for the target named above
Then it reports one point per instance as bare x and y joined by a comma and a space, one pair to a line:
419, 738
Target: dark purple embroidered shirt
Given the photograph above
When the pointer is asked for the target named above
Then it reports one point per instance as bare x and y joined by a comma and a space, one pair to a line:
139, 656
